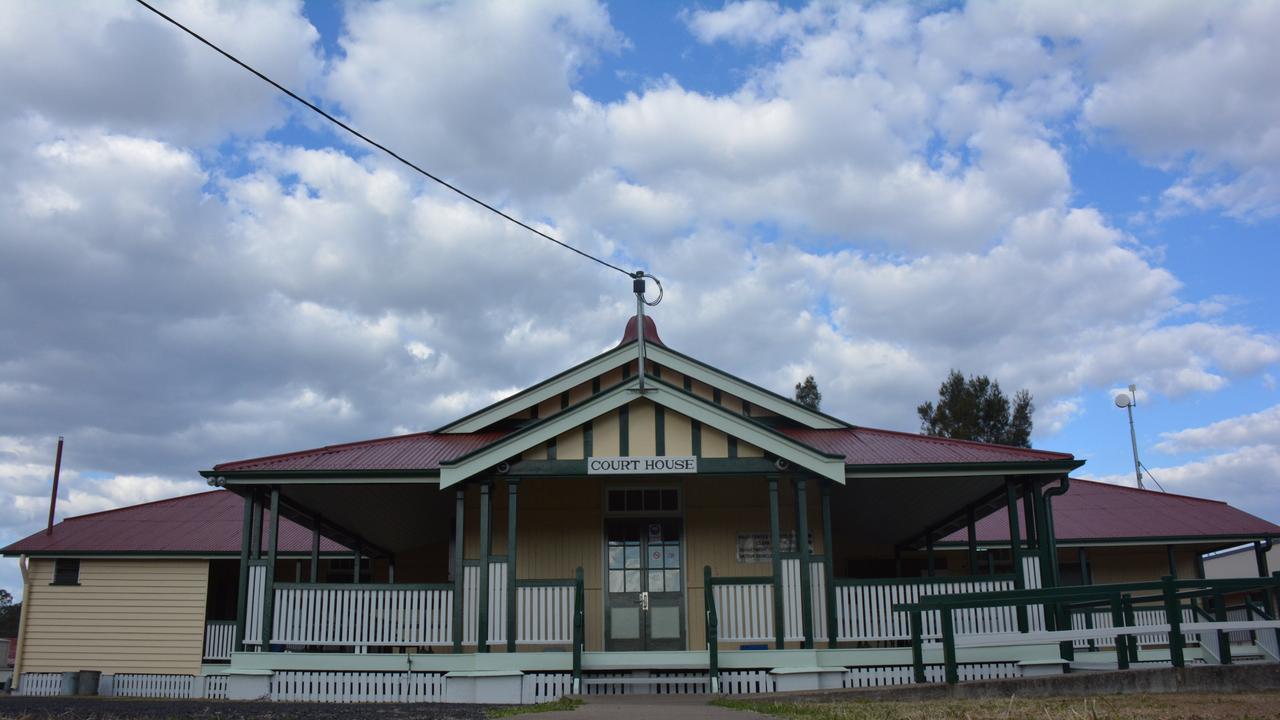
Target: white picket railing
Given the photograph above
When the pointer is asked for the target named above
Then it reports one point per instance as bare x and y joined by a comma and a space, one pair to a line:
350, 687
497, 593
48, 683
1151, 616
864, 609
363, 615
745, 611
544, 614
152, 686
219, 637
254, 603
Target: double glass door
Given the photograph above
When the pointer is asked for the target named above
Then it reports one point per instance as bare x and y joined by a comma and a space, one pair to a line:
644, 584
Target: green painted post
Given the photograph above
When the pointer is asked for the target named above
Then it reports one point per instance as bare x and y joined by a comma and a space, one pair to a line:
242, 590
459, 570
269, 602
973, 540
1117, 621
949, 647
1015, 550
1260, 556
255, 530
482, 594
579, 628
713, 629
1173, 561
930, 554
1275, 601
356, 558
1173, 613
829, 560
917, 645
1130, 620
775, 548
802, 545
513, 488
315, 549
1224, 639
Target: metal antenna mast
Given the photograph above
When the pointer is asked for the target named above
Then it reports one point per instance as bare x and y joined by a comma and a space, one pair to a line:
1128, 402
638, 287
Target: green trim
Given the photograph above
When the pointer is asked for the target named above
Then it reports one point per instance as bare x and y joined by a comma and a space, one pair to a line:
733, 447
459, 565
269, 601
828, 566
1015, 551
159, 554
1152, 540
870, 582
660, 430
318, 477
743, 580
624, 430
545, 583
513, 491
549, 388
363, 586
695, 430
242, 590
588, 441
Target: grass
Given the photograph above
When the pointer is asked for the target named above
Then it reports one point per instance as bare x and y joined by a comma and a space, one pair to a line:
1242, 706
564, 703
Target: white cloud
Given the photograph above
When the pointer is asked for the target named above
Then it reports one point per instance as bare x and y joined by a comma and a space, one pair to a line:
1254, 429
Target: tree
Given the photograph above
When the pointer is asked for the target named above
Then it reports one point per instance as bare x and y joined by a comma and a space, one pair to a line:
807, 393
976, 409
9, 615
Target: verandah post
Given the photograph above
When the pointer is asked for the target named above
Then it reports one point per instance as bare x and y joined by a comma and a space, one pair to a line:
917, 644
269, 601
1015, 549
242, 591
315, 548
829, 563
1260, 556
459, 571
802, 545
482, 599
712, 629
1122, 641
579, 628
775, 549
973, 539
949, 647
1173, 615
930, 555
513, 489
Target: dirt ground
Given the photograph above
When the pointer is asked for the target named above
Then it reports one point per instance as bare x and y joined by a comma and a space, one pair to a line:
51, 708
1191, 706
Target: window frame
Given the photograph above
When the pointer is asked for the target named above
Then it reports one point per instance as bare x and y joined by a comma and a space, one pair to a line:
62, 582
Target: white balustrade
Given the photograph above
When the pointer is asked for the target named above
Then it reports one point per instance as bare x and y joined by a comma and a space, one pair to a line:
363, 615
864, 611
544, 614
219, 637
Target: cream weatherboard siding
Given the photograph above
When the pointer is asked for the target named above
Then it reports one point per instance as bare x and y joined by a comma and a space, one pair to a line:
125, 616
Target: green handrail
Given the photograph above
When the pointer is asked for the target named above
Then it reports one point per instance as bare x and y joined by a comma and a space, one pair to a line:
1115, 594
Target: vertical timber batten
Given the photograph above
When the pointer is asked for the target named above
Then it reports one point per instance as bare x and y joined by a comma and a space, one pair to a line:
273, 542
242, 590
482, 595
971, 517
459, 513
802, 545
828, 569
513, 489
775, 548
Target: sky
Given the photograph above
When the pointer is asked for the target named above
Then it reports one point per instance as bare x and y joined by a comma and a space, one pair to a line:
1068, 197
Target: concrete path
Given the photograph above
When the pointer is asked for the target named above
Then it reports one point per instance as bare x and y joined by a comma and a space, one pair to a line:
665, 707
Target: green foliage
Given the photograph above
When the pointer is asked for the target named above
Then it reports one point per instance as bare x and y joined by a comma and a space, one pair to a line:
976, 409
807, 393
10, 614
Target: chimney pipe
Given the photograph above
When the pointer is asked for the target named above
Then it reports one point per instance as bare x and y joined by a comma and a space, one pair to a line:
53, 499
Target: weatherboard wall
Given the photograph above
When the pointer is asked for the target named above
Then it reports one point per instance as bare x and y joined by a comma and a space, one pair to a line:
130, 616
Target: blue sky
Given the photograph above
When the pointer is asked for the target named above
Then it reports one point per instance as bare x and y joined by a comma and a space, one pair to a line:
1065, 197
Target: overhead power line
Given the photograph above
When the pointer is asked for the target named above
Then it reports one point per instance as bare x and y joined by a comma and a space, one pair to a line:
379, 145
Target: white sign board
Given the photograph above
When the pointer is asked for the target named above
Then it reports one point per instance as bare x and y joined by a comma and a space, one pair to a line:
755, 547
642, 465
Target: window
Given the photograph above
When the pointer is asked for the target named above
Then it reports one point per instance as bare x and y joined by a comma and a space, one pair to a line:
648, 500
66, 571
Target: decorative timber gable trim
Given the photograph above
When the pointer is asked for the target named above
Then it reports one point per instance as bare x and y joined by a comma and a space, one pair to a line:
708, 413
660, 355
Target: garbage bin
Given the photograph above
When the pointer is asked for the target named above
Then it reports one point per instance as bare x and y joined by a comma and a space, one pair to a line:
87, 683
69, 682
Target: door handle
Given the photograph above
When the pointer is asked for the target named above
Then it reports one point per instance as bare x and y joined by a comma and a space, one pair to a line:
644, 601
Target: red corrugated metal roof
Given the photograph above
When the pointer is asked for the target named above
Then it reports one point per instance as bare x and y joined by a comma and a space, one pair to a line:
1093, 510
869, 446
207, 522
419, 451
